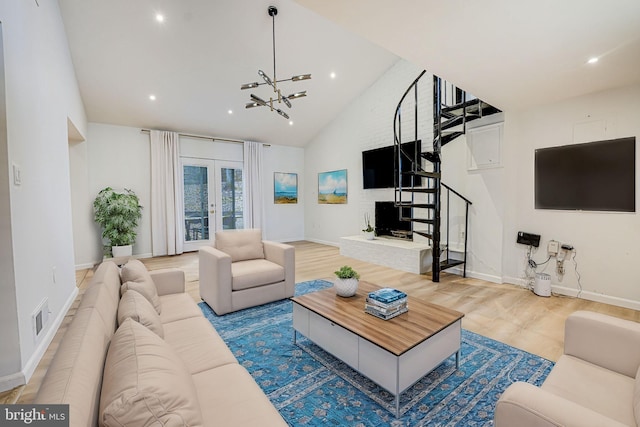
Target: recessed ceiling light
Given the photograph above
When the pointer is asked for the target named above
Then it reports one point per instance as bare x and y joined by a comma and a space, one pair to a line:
152, 97
230, 111
593, 60
290, 122
332, 75
159, 17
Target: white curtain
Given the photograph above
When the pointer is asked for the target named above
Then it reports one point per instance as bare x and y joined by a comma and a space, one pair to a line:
167, 233
253, 168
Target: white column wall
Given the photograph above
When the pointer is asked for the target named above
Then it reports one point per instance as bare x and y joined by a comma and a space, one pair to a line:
41, 96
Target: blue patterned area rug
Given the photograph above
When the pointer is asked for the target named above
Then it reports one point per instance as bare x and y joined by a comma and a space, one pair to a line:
311, 387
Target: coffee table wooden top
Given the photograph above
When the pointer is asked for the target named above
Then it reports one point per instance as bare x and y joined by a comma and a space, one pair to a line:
396, 335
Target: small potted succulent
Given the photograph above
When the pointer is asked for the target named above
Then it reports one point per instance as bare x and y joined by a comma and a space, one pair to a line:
346, 283
368, 230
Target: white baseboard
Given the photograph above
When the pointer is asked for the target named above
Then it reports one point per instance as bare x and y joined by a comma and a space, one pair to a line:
19, 378
587, 295
476, 275
85, 266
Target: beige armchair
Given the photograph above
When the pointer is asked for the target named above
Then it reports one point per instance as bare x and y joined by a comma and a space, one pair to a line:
594, 383
242, 270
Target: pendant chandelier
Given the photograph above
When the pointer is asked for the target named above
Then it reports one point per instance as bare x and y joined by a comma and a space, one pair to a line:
277, 97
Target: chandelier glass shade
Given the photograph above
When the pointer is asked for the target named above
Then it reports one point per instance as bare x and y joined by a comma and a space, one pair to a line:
277, 98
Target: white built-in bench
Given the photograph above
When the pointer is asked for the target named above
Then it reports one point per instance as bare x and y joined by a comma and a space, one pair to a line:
405, 255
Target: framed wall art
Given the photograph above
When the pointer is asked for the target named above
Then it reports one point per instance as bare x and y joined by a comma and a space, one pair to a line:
285, 188
332, 187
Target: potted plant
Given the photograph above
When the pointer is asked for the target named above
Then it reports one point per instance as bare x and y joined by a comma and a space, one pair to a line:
346, 283
118, 214
368, 230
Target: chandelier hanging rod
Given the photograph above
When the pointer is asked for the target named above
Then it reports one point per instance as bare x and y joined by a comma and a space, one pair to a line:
256, 101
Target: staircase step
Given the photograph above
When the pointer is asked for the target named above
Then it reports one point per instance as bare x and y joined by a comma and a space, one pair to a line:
448, 263
421, 220
424, 234
417, 205
431, 156
445, 139
423, 173
418, 190
452, 122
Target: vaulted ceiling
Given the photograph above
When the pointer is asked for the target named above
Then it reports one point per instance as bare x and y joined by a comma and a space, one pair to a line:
514, 54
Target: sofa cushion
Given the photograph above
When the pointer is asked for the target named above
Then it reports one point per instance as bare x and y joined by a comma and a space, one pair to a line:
146, 383
133, 305
240, 402
140, 280
255, 272
177, 307
636, 397
198, 344
241, 244
591, 386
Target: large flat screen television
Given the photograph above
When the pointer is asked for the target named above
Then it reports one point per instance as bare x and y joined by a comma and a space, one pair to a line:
378, 166
596, 176
388, 221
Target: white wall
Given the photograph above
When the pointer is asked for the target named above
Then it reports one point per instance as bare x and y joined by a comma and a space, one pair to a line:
41, 96
606, 243
365, 124
119, 156
284, 222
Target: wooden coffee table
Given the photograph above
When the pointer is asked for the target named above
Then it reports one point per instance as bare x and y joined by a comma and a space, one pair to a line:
393, 353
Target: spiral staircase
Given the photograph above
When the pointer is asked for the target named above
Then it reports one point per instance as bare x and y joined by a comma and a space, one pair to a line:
423, 192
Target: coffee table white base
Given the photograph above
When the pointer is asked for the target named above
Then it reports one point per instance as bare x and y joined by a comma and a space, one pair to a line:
394, 373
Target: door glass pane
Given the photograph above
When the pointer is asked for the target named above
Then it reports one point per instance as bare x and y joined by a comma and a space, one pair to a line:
196, 201
232, 198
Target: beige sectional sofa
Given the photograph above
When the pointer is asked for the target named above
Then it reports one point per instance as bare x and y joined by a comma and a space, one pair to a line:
139, 352
595, 383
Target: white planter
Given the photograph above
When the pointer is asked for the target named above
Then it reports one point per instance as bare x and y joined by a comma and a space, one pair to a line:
346, 287
121, 251
369, 235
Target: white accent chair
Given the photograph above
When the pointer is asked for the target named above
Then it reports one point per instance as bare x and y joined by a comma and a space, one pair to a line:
242, 271
594, 383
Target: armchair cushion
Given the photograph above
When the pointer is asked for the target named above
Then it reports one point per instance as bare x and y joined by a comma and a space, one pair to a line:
595, 388
255, 272
241, 245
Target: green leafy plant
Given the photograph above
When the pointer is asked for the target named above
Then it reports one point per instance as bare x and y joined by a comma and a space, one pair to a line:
346, 272
367, 222
118, 214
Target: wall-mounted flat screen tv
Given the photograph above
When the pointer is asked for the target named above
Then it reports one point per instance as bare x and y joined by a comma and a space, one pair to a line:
596, 176
378, 166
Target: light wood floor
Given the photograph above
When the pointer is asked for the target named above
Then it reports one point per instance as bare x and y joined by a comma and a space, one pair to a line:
505, 313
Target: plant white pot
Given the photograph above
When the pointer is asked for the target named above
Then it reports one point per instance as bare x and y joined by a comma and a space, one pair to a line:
120, 251
346, 287
369, 235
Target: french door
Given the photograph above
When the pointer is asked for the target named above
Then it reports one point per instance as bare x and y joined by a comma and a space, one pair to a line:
213, 199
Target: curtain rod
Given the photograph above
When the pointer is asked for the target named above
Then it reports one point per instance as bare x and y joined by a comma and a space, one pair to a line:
213, 138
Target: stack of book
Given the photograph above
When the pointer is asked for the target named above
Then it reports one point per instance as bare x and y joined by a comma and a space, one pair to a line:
386, 303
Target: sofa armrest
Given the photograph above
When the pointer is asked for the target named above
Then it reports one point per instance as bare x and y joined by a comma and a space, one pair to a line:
284, 255
603, 340
168, 280
215, 279
523, 404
